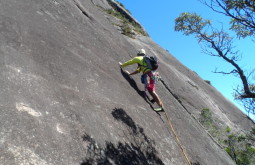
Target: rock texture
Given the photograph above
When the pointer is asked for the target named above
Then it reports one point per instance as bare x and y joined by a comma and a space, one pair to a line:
64, 99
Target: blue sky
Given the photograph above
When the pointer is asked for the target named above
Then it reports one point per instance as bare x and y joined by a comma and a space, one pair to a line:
157, 17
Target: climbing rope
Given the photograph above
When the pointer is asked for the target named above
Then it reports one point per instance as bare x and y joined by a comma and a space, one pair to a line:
177, 139
171, 125
156, 78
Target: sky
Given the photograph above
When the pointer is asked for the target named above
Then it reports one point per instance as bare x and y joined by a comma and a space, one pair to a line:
158, 19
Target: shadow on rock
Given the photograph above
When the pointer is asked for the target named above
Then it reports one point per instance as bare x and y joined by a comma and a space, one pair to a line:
138, 149
121, 115
134, 85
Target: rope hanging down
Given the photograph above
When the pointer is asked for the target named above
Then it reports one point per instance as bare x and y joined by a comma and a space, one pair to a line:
172, 128
177, 139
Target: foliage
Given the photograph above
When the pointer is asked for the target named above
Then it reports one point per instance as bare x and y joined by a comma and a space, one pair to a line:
121, 4
206, 120
228, 130
115, 13
248, 103
218, 43
206, 117
138, 29
126, 30
239, 147
190, 23
126, 23
241, 13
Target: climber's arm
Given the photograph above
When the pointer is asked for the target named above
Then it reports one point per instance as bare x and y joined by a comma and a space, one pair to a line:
135, 72
130, 62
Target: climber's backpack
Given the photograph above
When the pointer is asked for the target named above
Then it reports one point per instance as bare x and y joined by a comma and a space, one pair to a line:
152, 62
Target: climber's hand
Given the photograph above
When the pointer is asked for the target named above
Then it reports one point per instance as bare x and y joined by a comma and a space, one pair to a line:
127, 72
120, 64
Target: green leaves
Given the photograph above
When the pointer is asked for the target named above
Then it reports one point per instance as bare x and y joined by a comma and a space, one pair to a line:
206, 117
190, 23
240, 149
217, 40
240, 12
218, 43
241, 29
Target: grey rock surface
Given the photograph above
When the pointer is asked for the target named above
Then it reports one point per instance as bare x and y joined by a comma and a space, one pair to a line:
64, 99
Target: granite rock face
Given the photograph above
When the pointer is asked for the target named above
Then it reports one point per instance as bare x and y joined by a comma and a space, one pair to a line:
64, 99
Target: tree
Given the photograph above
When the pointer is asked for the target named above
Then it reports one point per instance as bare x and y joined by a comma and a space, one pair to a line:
241, 13
220, 44
241, 147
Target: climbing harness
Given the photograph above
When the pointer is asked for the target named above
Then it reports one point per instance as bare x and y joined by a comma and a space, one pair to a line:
155, 76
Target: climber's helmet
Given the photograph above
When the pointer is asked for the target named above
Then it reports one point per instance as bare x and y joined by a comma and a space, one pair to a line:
141, 52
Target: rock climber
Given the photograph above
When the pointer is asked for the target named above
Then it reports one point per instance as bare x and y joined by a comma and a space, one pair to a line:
147, 76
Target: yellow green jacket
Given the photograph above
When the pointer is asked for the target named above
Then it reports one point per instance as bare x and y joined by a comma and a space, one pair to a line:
138, 60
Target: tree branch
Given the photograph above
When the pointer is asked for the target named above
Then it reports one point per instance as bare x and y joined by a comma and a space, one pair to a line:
221, 72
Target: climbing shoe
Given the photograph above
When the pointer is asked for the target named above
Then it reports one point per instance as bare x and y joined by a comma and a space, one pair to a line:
158, 109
